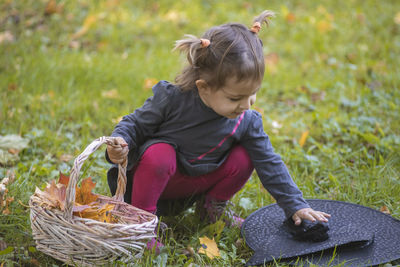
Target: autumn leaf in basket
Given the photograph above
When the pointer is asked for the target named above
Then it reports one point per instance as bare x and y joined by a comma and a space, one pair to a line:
83, 194
101, 214
85, 205
53, 196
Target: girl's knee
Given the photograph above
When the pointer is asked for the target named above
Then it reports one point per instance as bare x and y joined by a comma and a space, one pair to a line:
160, 157
241, 158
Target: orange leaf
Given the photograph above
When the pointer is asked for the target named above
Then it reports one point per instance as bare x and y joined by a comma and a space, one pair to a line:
84, 194
303, 138
149, 83
385, 210
63, 179
290, 17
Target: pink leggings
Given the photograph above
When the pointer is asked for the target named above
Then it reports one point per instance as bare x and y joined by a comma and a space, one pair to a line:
156, 177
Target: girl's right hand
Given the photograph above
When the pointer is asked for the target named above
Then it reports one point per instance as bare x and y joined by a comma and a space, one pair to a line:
118, 151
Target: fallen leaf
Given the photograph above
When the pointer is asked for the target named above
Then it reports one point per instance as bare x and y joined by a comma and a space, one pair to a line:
56, 194
290, 17
101, 214
87, 24
12, 87
397, 18
63, 179
105, 214
6, 211
13, 151
303, 138
84, 193
88, 212
208, 247
324, 26
385, 210
149, 83
52, 8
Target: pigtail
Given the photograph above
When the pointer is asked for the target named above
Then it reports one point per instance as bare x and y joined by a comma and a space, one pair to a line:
189, 45
264, 17
194, 48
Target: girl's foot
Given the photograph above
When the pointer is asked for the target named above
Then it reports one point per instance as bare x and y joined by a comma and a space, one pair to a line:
154, 245
216, 209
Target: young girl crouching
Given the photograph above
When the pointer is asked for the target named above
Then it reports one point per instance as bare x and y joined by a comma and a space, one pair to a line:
197, 138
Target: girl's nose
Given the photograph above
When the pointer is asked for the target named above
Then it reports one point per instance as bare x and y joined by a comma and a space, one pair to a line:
248, 102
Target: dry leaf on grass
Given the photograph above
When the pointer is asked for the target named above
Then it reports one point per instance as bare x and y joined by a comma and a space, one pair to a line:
208, 247
303, 138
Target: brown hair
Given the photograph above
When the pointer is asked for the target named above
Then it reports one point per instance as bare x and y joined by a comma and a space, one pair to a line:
234, 50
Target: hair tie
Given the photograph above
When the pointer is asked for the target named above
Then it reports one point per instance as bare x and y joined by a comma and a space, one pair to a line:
256, 27
204, 43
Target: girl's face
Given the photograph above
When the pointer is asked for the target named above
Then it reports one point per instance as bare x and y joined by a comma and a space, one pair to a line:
230, 100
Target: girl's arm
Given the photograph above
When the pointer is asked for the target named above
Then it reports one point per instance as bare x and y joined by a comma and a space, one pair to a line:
270, 168
140, 125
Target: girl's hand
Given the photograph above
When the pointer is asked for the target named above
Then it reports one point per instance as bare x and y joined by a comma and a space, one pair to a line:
309, 214
118, 151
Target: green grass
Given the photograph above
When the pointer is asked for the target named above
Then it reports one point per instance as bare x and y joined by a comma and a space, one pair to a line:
334, 71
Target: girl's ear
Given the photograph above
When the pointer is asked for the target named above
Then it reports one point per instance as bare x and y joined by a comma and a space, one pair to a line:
202, 86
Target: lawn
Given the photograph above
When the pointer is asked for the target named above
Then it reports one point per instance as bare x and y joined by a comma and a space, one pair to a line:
330, 101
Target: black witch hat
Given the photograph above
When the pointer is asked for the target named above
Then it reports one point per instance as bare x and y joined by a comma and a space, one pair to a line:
354, 236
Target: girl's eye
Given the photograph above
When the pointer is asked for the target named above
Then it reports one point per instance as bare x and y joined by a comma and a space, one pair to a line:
234, 99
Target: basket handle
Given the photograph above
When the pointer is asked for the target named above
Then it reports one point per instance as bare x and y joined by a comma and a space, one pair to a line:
74, 175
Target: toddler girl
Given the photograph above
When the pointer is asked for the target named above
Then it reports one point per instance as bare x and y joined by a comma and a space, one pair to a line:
199, 137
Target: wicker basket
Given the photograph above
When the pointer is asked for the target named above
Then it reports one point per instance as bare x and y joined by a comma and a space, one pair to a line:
88, 242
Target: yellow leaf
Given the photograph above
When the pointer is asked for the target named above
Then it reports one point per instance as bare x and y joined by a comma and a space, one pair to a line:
397, 18
105, 214
87, 24
303, 138
208, 247
324, 26
89, 21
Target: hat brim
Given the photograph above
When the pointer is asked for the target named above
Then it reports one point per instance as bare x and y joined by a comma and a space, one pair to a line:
358, 236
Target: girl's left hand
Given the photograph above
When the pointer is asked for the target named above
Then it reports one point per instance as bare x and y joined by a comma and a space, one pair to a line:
309, 214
